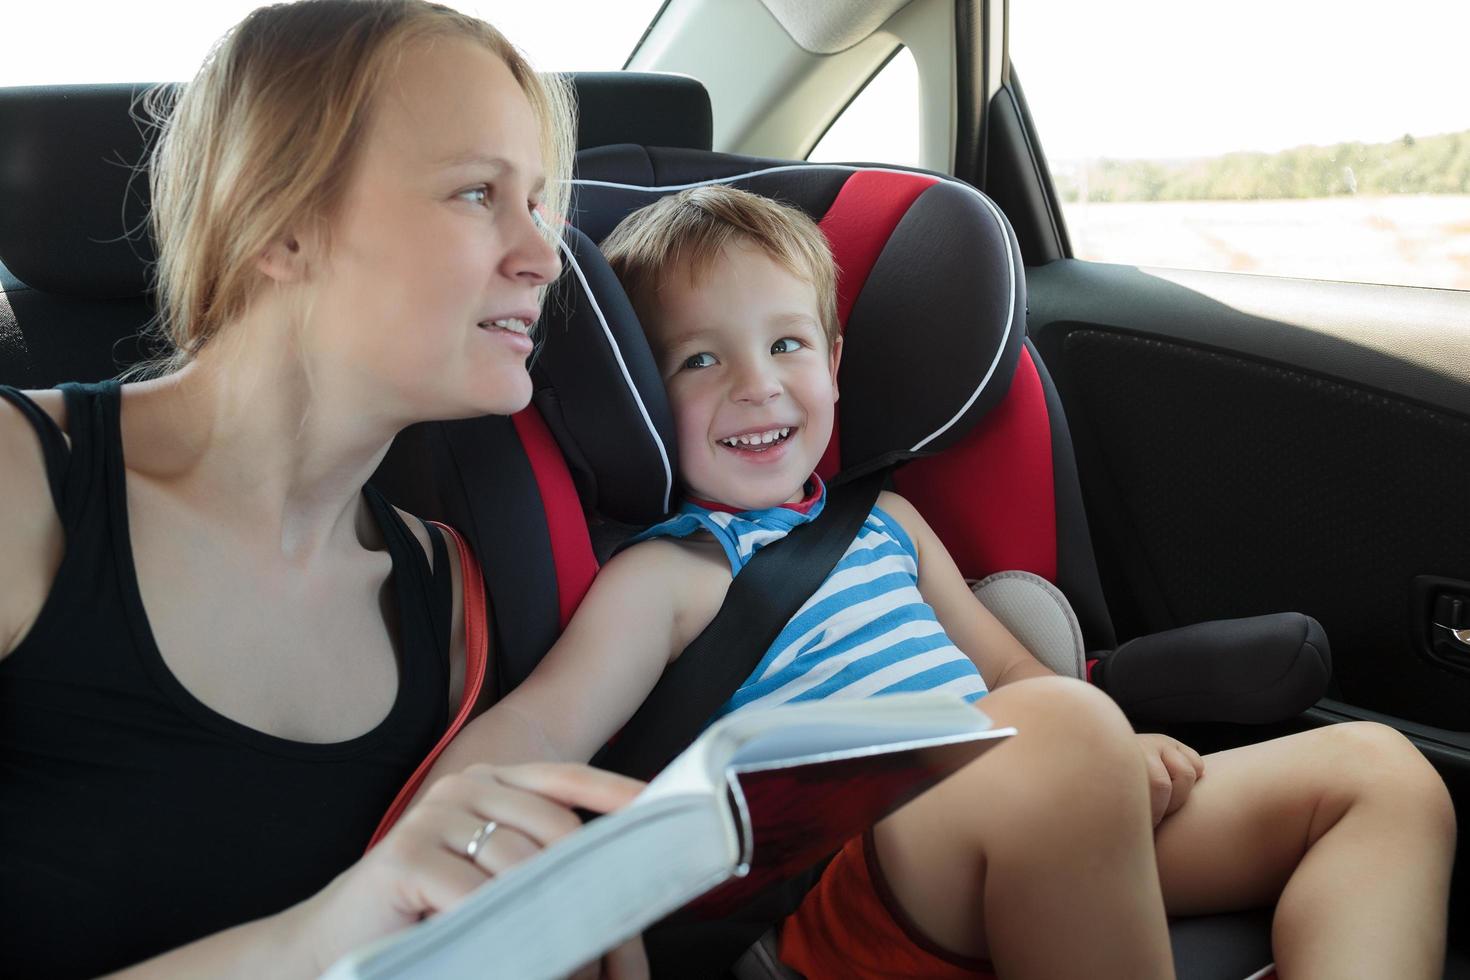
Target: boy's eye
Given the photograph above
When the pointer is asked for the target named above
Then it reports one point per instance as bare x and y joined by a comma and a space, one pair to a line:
699, 361
786, 345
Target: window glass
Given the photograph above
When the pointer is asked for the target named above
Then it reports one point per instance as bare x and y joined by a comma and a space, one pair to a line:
50, 43
1284, 137
881, 125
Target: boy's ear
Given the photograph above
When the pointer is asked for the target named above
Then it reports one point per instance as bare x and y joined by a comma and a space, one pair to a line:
836, 359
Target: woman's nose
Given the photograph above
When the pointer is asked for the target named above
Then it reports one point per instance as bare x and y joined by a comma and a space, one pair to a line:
532, 258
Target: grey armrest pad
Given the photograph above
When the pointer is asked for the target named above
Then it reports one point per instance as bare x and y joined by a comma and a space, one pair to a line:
1036, 613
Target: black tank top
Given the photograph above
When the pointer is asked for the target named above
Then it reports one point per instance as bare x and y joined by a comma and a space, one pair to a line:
133, 818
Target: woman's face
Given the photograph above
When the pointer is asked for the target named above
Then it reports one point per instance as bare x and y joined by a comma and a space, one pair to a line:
431, 278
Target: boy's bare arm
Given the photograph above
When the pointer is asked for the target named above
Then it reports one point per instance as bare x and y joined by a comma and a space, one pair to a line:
997, 654
588, 685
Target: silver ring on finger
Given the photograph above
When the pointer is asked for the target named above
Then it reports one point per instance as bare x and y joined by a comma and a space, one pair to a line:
477, 842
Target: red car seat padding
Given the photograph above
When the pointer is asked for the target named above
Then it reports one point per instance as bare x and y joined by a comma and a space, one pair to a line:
571, 549
1002, 467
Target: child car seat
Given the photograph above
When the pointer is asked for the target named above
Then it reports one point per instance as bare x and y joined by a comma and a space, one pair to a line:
992, 470
932, 303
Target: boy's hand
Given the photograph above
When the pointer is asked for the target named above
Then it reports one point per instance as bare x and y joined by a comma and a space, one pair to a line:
1173, 769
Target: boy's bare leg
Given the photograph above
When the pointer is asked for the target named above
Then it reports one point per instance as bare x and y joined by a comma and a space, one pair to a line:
1348, 825
1038, 855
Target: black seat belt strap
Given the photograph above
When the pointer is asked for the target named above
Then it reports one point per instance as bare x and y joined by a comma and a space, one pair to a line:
762, 599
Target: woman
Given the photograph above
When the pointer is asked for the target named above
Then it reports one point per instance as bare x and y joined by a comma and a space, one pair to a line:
222, 653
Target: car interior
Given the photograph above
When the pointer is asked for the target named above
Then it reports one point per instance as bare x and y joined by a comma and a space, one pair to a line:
1213, 468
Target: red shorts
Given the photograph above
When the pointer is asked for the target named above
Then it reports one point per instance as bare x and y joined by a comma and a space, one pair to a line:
851, 926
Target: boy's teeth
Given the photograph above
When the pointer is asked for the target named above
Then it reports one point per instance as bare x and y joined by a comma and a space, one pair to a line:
758, 438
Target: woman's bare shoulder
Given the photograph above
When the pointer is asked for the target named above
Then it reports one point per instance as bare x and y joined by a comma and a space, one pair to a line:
30, 531
23, 482
49, 400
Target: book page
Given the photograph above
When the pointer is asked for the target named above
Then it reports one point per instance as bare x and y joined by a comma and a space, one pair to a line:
819, 727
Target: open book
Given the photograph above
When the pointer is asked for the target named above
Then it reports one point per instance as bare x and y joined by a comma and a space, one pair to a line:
760, 797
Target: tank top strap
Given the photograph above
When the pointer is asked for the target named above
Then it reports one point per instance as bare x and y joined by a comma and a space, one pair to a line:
419, 632
94, 474
54, 452
443, 589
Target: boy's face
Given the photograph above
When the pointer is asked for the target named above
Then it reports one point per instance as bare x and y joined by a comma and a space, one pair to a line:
750, 377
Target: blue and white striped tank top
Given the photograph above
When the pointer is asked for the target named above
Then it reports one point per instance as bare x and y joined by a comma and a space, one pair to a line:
866, 631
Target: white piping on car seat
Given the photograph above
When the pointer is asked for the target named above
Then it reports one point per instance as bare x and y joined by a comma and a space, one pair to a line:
990, 206
1263, 972
663, 453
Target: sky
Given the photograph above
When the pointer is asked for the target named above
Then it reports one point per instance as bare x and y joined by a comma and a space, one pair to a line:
1125, 78
1186, 78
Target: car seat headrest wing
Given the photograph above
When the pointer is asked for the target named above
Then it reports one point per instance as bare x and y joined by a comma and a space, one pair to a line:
936, 327
599, 390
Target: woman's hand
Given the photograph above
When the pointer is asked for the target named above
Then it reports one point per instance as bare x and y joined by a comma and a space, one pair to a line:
1173, 769
425, 865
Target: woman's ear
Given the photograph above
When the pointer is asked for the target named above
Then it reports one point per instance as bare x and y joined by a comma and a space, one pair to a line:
283, 260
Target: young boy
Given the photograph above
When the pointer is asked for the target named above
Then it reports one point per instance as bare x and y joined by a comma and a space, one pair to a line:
1058, 853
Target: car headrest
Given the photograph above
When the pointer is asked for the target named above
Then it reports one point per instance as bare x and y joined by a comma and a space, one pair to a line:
931, 297
74, 193
73, 200
650, 108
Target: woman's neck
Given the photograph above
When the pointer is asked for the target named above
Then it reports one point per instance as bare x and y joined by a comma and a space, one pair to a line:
262, 438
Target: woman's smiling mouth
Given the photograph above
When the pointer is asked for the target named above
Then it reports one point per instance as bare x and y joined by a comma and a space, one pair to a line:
513, 330
514, 324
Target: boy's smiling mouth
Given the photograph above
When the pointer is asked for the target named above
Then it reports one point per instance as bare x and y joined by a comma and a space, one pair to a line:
758, 440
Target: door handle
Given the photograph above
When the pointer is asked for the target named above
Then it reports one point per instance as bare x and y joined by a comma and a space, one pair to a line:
1461, 637
1442, 621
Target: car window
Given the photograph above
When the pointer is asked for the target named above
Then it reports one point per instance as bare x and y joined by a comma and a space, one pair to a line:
1284, 137
164, 40
881, 125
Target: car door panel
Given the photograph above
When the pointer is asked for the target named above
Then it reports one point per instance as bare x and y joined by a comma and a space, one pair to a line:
1251, 444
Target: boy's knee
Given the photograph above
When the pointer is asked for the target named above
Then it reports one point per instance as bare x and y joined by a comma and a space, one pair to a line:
1380, 763
1076, 724
1072, 709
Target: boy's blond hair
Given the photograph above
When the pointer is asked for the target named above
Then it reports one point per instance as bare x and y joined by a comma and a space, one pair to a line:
688, 230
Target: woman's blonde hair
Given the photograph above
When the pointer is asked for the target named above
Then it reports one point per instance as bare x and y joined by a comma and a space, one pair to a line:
687, 231
266, 134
